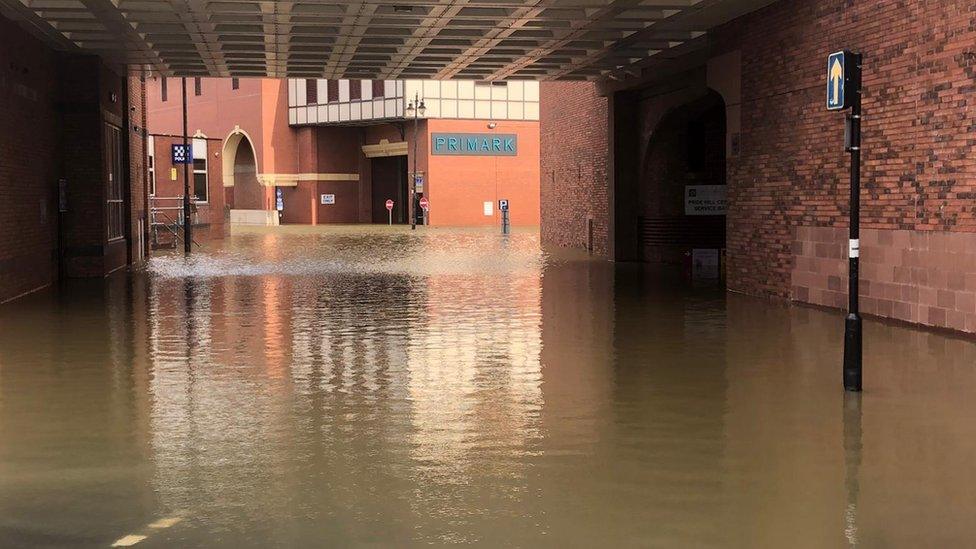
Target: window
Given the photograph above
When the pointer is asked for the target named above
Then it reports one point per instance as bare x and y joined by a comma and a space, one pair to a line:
200, 170
163, 88
379, 88
151, 165
333, 91
114, 202
197, 86
311, 91
235, 83
355, 90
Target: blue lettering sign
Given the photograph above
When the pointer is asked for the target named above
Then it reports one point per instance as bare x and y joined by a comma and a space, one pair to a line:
474, 144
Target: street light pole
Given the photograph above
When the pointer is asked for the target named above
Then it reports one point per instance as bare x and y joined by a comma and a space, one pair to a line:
187, 229
852, 324
417, 109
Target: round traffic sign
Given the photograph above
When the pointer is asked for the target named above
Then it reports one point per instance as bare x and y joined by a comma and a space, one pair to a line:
425, 203
389, 204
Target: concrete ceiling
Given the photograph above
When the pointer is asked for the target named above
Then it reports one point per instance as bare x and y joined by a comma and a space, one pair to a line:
380, 39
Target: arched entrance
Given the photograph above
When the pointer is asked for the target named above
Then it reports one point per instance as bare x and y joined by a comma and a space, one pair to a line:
681, 192
241, 174
248, 200
248, 193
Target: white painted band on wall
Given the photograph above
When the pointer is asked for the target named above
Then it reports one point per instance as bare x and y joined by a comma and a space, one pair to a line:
292, 179
385, 148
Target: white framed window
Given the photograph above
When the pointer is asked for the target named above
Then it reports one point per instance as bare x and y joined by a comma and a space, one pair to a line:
200, 187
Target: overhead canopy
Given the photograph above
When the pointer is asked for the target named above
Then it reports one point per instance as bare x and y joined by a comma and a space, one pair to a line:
380, 39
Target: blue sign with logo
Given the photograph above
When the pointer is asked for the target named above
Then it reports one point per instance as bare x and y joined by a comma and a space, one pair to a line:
839, 65
474, 144
182, 154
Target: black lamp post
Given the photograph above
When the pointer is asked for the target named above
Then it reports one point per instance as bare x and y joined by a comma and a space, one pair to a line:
415, 110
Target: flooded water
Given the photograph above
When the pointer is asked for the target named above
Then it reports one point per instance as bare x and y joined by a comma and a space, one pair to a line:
376, 387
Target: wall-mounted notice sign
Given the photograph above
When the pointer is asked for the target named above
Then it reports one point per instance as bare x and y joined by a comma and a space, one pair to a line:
328, 199
705, 200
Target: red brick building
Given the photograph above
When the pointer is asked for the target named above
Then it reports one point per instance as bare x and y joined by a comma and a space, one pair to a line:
636, 143
335, 151
71, 165
166, 185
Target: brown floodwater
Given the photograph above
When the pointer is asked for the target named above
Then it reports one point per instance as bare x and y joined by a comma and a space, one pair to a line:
330, 387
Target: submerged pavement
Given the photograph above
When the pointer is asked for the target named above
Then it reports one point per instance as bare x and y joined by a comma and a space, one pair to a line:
371, 386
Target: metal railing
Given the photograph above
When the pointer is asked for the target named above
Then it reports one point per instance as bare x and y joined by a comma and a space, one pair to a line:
166, 217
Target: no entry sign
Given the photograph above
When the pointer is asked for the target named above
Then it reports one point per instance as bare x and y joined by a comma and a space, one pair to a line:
389, 204
425, 203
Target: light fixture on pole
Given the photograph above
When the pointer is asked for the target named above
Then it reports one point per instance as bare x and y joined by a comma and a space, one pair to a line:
415, 110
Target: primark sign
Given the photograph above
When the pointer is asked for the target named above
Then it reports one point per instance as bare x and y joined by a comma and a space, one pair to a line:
474, 144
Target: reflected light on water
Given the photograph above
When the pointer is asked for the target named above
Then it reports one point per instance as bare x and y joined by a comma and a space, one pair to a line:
373, 386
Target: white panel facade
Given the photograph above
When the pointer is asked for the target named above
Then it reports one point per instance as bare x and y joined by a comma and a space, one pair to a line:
449, 89
482, 109
452, 99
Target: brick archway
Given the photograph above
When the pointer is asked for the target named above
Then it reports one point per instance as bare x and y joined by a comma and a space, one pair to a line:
244, 191
685, 153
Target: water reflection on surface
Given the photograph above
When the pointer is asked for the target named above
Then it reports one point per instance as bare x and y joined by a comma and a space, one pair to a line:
373, 386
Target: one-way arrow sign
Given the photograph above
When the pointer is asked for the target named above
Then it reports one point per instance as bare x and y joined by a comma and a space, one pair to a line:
839, 67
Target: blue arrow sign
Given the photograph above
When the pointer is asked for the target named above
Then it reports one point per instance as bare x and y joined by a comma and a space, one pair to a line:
837, 78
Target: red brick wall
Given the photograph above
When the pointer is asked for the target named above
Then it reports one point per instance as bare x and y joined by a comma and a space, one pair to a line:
210, 212
29, 165
346, 207
299, 203
926, 277
574, 141
791, 175
918, 168
339, 149
137, 167
458, 186
53, 114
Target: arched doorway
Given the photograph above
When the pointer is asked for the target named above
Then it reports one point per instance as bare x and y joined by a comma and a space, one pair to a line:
241, 174
681, 192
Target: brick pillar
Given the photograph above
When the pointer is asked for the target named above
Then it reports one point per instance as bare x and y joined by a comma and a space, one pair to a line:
625, 169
